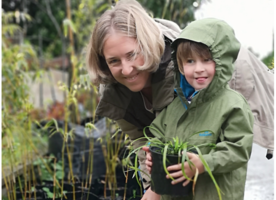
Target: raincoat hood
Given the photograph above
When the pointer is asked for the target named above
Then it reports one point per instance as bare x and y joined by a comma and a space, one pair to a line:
221, 40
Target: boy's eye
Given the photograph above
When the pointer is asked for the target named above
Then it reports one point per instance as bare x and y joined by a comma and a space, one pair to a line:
190, 60
208, 60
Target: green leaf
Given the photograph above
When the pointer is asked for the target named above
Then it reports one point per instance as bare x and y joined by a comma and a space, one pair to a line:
68, 23
207, 168
49, 193
164, 161
185, 158
59, 174
136, 170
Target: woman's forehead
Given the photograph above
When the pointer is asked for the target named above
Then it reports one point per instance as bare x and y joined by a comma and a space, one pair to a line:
118, 44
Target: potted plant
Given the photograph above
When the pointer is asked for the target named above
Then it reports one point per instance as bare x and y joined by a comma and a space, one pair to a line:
166, 152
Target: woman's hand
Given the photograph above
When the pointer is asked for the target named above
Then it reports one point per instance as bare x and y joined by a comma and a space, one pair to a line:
190, 172
150, 195
148, 160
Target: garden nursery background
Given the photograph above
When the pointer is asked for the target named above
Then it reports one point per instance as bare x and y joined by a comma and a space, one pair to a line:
53, 145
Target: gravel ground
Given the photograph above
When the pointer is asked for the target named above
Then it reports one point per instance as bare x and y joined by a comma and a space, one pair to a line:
260, 176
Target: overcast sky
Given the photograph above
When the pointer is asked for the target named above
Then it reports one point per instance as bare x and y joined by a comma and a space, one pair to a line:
252, 20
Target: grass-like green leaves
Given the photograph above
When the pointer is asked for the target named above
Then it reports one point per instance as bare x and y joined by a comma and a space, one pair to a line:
174, 146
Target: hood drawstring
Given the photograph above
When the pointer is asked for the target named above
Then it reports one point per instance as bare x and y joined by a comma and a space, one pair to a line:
184, 105
189, 99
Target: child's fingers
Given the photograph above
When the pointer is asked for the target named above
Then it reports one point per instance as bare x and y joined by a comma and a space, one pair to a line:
148, 156
149, 169
176, 167
178, 180
148, 163
175, 175
191, 155
146, 149
186, 182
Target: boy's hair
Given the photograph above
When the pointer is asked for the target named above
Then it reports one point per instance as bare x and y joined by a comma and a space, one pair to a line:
129, 18
187, 49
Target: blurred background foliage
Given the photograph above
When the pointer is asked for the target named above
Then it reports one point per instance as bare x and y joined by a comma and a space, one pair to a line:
269, 60
37, 31
49, 15
179, 11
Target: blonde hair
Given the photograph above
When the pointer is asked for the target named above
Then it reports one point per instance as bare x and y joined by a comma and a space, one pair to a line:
129, 18
186, 49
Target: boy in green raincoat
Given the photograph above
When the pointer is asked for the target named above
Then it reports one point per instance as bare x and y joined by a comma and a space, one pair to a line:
204, 54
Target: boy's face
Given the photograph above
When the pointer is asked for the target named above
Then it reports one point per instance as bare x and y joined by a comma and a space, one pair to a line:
199, 72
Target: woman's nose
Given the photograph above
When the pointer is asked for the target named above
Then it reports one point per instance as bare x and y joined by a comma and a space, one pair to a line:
127, 68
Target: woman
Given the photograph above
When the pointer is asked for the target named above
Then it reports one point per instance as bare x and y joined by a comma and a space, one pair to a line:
129, 55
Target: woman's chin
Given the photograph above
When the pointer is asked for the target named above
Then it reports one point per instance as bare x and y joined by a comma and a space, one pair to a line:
135, 88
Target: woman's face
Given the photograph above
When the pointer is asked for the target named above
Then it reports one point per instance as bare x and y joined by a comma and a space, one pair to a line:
119, 52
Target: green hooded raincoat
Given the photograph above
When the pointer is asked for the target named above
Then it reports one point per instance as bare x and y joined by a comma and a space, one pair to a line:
223, 112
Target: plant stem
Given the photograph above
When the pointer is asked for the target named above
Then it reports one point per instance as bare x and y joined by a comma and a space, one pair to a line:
6, 184
91, 149
126, 184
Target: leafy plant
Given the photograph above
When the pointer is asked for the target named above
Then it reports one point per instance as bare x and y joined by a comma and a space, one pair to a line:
19, 141
111, 145
179, 11
49, 162
57, 193
269, 60
174, 146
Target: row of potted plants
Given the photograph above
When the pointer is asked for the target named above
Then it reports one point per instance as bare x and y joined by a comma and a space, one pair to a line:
93, 165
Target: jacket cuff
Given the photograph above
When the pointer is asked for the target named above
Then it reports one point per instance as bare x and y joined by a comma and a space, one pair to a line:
209, 160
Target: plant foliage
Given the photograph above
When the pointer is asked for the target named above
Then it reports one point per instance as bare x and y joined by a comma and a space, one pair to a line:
174, 146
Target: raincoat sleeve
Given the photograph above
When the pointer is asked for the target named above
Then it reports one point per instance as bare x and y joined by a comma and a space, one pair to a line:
236, 138
133, 133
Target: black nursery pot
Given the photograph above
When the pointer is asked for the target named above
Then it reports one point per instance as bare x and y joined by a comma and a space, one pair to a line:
160, 184
30, 196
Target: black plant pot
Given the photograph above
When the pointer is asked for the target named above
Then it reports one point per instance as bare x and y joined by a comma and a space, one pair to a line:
135, 198
77, 193
80, 151
110, 198
34, 195
160, 184
75, 158
99, 167
131, 187
56, 139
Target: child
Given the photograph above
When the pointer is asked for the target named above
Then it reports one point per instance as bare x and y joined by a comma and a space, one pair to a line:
204, 54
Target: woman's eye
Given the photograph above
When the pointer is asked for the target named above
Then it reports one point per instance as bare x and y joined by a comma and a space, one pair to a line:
131, 55
110, 62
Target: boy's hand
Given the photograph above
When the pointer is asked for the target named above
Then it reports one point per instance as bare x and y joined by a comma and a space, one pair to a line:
178, 175
150, 195
148, 160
